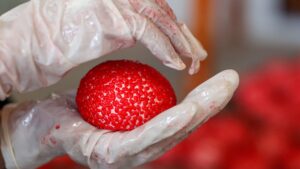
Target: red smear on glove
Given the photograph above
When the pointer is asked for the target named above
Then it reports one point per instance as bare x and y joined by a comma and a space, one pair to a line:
122, 95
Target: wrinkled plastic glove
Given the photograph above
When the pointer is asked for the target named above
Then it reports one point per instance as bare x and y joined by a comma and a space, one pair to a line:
41, 40
34, 133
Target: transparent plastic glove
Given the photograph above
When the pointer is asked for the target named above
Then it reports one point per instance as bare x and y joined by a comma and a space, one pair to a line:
41, 40
38, 132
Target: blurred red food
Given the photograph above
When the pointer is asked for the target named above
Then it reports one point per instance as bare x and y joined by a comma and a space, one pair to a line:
272, 94
273, 144
63, 162
292, 160
249, 160
205, 154
207, 147
261, 131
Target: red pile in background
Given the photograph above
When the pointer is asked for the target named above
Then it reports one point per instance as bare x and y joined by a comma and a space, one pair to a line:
63, 162
259, 130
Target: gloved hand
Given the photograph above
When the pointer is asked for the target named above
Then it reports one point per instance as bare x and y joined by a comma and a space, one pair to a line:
34, 133
43, 39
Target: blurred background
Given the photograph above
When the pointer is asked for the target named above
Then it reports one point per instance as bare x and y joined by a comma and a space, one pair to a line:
260, 128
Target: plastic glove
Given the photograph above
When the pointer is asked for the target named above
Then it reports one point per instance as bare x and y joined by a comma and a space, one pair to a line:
43, 39
34, 133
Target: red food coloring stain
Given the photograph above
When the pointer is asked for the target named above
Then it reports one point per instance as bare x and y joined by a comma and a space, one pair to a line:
122, 95
212, 106
57, 127
52, 140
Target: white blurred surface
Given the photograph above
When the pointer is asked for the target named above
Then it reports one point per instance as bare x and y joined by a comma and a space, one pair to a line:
250, 32
183, 10
267, 24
